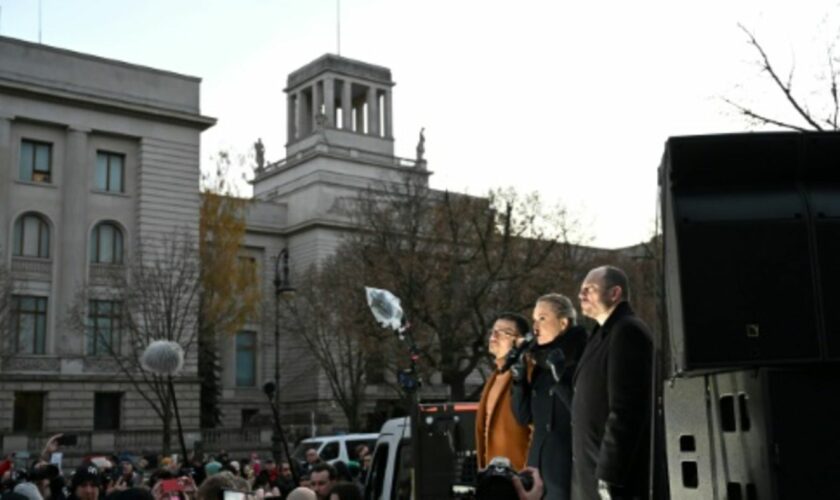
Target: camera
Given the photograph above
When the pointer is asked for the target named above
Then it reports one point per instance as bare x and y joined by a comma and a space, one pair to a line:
496, 481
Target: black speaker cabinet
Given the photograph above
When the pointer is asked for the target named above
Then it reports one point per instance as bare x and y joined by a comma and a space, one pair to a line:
445, 449
768, 433
751, 227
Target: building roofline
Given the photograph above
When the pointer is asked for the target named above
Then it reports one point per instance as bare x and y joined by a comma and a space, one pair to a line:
91, 57
41, 91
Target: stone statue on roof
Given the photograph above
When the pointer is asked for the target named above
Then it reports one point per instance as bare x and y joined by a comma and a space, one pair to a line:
259, 154
421, 145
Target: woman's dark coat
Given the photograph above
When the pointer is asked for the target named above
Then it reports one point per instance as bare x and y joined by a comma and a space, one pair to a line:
540, 401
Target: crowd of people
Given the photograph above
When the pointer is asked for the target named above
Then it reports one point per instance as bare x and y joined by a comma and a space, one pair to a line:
570, 407
218, 477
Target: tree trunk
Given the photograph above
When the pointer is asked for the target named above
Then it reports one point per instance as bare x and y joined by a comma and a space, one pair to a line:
167, 429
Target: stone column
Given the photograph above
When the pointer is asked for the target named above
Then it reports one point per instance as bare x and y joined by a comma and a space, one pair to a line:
329, 101
359, 106
8, 171
291, 123
73, 231
346, 106
373, 111
300, 115
389, 115
316, 103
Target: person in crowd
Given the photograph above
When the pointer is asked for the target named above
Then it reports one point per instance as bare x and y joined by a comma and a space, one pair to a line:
542, 393
212, 487
611, 411
361, 451
344, 490
302, 493
285, 480
130, 477
312, 457
322, 477
497, 432
85, 483
263, 487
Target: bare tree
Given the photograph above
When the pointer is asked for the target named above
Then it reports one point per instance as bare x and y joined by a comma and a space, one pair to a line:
456, 261
155, 297
804, 118
329, 314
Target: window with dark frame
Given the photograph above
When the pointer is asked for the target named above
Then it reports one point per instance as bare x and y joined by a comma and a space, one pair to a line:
31, 237
28, 412
35, 161
104, 327
248, 414
110, 172
29, 323
246, 359
106, 244
106, 411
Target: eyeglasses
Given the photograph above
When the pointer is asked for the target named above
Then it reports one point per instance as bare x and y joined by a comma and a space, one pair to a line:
502, 333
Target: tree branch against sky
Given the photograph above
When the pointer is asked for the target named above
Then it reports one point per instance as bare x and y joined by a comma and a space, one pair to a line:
809, 108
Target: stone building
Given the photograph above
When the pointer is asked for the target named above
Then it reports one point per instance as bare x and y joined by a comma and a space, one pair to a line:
340, 141
95, 156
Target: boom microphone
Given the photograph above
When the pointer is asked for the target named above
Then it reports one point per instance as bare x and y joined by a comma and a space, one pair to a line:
516, 352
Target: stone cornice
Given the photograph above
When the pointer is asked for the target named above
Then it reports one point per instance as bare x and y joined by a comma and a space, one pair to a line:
46, 93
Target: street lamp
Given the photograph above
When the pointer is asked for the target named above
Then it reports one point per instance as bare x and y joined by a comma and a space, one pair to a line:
282, 286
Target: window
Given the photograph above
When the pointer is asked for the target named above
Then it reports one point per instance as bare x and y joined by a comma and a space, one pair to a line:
106, 411
248, 414
35, 161
104, 326
246, 359
32, 237
29, 323
329, 451
29, 412
106, 244
110, 170
375, 485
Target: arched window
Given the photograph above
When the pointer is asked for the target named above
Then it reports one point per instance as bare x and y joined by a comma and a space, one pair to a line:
106, 244
32, 236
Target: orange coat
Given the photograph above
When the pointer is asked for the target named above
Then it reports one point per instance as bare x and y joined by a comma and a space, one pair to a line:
506, 437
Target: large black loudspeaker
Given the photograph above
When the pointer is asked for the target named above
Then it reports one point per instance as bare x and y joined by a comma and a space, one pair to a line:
752, 249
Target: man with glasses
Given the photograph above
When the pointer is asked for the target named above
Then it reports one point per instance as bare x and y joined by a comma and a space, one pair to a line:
497, 432
611, 408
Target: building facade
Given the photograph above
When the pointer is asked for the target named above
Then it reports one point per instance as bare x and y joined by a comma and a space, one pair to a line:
340, 142
96, 155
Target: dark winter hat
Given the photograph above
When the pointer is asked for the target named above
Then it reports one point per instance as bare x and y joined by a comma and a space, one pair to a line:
83, 474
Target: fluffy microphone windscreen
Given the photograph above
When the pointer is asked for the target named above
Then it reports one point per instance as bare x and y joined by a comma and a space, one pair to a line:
163, 357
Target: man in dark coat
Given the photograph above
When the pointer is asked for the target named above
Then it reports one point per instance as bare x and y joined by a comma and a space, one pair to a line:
611, 408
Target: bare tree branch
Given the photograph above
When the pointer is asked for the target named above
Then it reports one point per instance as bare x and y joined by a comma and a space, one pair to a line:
785, 88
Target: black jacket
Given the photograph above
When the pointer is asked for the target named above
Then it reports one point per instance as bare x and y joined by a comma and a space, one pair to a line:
611, 410
540, 401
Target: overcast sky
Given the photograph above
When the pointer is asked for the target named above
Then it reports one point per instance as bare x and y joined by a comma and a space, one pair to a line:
573, 99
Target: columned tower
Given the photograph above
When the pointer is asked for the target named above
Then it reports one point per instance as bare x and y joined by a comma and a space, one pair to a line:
345, 102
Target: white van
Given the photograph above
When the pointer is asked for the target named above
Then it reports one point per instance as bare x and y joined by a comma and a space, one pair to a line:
334, 448
390, 472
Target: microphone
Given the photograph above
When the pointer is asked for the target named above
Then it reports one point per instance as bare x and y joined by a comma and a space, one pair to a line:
516, 352
163, 357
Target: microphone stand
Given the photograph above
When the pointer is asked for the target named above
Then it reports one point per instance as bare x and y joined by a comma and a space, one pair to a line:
177, 418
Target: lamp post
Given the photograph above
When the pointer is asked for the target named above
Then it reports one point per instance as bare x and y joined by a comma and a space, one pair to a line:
272, 390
